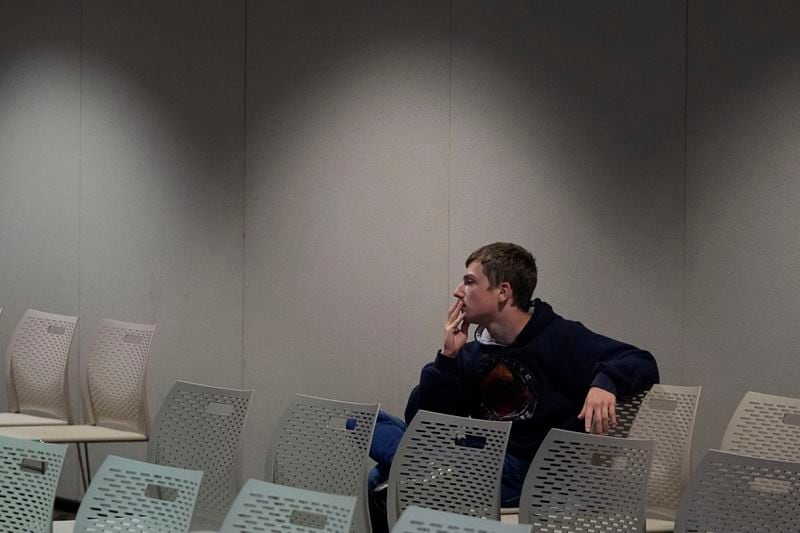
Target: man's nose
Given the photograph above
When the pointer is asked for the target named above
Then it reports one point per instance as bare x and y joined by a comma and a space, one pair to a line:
459, 293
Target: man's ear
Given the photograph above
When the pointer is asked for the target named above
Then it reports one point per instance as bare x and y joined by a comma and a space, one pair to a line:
504, 293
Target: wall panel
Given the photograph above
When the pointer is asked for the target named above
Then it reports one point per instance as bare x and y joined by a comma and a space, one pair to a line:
567, 138
162, 183
39, 168
743, 249
346, 247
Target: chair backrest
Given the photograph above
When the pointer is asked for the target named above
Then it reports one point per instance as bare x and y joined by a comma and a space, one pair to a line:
765, 426
667, 415
133, 496
36, 372
626, 410
263, 506
323, 445
200, 428
448, 463
113, 376
589, 483
422, 520
731, 492
29, 473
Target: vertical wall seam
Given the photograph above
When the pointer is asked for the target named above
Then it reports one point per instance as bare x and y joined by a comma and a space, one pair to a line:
449, 140
80, 198
244, 193
684, 280
80, 164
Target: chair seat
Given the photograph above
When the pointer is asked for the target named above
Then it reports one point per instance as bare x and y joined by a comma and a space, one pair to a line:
63, 526
19, 419
72, 433
511, 516
655, 525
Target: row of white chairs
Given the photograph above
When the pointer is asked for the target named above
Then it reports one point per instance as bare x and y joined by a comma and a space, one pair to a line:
129, 495
764, 426
577, 482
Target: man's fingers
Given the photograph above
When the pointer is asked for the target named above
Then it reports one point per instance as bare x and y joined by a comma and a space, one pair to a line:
612, 411
454, 309
455, 323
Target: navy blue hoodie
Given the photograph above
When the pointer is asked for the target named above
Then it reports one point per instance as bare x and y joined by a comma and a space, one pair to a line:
539, 381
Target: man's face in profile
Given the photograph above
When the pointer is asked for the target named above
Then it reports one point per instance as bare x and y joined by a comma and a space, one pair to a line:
479, 298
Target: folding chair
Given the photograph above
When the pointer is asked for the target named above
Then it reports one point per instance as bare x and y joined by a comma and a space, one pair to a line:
323, 445
29, 473
765, 426
36, 370
587, 483
667, 415
263, 506
731, 493
128, 496
448, 463
114, 392
199, 427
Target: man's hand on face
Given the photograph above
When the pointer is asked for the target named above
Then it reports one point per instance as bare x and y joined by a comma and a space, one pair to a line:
599, 411
455, 330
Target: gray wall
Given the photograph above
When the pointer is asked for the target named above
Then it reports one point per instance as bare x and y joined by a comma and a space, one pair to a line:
289, 188
743, 221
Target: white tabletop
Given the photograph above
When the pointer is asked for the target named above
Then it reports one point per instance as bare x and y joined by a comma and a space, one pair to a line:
18, 419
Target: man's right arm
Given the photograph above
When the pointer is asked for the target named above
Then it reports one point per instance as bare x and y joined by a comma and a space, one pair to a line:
440, 383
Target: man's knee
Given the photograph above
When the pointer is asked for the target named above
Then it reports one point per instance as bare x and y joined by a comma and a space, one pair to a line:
389, 431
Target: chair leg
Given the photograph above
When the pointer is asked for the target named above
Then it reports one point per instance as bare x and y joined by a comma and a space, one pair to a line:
83, 471
88, 465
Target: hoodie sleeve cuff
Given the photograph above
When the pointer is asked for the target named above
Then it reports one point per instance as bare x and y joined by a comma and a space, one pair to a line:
444, 363
604, 382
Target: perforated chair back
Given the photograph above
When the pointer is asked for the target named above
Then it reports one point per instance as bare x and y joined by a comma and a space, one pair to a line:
667, 415
323, 445
765, 426
29, 473
448, 463
731, 493
263, 506
200, 428
128, 496
587, 483
36, 372
626, 410
113, 376
422, 520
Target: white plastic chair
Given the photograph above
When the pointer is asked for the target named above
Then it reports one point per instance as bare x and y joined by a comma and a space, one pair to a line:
114, 392
736, 493
587, 483
765, 426
128, 496
626, 410
199, 427
29, 473
263, 506
323, 445
36, 370
448, 463
421, 520
666, 415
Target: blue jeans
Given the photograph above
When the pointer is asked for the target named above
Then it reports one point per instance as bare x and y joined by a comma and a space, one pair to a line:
389, 431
